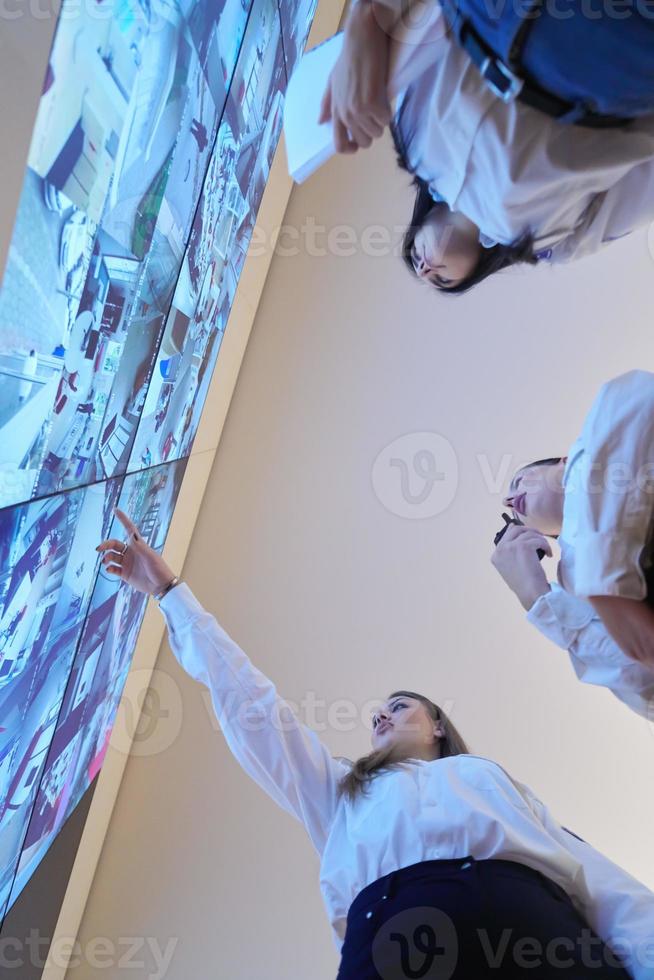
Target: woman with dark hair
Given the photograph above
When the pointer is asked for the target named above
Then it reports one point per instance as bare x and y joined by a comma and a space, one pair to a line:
598, 502
498, 181
434, 862
425, 238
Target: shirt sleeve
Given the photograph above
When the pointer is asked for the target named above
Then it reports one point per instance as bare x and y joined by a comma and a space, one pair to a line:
618, 907
574, 626
285, 757
609, 504
614, 213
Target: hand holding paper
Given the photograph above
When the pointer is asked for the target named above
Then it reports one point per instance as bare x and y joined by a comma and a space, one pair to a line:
339, 97
356, 96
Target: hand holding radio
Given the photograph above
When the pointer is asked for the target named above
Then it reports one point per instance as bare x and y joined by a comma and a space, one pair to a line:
517, 558
508, 521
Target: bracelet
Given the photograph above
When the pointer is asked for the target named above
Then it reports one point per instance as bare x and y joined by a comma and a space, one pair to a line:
166, 589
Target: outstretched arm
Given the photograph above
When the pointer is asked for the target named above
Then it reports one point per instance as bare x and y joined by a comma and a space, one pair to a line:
285, 757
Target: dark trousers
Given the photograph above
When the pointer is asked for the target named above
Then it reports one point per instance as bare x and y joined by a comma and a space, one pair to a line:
470, 920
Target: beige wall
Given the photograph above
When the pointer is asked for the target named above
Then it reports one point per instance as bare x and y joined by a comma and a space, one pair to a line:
332, 593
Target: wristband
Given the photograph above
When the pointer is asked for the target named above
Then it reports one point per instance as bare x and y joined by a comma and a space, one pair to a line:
166, 589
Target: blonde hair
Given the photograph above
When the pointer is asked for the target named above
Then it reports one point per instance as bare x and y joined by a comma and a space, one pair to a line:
363, 771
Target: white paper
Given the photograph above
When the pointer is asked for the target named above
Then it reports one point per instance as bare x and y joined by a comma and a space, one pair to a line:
415, 47
309, 143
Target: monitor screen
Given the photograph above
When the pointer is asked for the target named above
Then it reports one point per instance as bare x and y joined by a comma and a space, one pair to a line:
153, 142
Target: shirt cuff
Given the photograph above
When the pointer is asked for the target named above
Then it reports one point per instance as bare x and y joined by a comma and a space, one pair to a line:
560, 616
180, 605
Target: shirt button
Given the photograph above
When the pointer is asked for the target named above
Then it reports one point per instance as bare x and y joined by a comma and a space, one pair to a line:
368, 915
384, 896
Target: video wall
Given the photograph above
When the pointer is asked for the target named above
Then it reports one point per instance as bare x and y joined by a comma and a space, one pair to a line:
155, 133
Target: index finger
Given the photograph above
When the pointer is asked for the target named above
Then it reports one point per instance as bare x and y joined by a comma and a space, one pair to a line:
127, 523
513, 530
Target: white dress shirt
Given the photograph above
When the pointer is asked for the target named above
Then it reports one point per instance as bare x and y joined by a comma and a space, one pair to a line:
608, 483
607, 519
510, 168
574, 626
447, 808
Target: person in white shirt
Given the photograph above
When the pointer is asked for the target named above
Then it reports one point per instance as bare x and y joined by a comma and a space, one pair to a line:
598, 501
497, 182
433, 862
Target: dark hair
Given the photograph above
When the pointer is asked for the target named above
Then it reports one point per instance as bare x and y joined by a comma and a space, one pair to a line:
364, 769
550, 461
490, 260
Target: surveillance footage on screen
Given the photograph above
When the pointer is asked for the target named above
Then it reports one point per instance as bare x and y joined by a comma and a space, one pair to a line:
217, 246
153, 142
49, 573
296, 18
85, 716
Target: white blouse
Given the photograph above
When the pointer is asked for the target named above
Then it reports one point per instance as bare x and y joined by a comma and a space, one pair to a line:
508, 167
608, 482
448, 808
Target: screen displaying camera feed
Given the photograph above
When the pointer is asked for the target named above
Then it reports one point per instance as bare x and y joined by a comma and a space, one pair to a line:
154, 138
218, 243
49, 568
85, 714
297, 17
129, 113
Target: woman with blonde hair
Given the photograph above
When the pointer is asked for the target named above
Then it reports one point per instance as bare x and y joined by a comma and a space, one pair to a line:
434, 862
